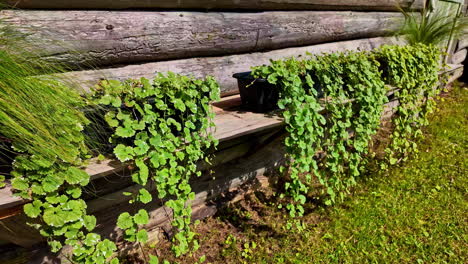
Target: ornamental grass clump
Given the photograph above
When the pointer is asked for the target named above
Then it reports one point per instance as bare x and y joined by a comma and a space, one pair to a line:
41, 127
432, 27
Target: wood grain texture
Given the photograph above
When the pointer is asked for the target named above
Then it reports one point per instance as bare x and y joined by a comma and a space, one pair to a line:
221, 68
223, 4
104, 38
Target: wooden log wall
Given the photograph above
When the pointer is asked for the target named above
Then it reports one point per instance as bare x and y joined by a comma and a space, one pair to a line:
222, 67
103, 38
380, 5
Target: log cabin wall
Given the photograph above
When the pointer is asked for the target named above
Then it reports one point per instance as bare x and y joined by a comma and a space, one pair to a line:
117, 39
132, 39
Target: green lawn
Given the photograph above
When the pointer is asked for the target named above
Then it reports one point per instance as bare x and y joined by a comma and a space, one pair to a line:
415, 213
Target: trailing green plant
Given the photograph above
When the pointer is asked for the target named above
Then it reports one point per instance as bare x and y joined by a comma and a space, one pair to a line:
354, 95
432, 27
42, 127
413, 69
163, 127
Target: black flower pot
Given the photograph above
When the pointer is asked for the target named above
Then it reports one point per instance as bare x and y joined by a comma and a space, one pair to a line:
257, 95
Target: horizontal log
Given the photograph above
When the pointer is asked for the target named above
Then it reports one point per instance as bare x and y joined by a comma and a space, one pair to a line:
222, 68
103, 38
223, 4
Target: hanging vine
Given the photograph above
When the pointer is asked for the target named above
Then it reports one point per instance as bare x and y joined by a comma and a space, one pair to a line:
354, 96
414, 71
163, 128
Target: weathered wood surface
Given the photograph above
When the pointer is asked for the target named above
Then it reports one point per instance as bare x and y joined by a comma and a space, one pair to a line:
223, 4
103, 38
458, 57
222, 68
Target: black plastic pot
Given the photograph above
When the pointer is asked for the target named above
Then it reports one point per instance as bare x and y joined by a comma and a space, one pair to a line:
257, 95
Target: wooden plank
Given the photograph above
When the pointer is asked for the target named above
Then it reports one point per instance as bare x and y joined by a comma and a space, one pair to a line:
221, 68
103, 38
7, 200
222, 4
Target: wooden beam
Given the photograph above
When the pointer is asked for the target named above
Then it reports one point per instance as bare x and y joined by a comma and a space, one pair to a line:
102, 38
222, 68
222, 4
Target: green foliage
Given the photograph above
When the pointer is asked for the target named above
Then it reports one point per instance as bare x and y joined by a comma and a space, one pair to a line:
163, 127
432, 27
354, 97
414, 70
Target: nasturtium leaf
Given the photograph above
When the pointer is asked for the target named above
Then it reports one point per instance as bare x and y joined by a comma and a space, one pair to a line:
160, 104
75, 175
141, 218
75, 192
53, 198
33, 209
52, 218
52, 182
106, 247
142, 236
105, 100
71, 234
110, 119
144, 196
141, 147
180, 155
55, 245
89, 222
153, 260
143, 172
125, 131
125, 221
155, 141
92, 239
123, 153
20, 184
179, 104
